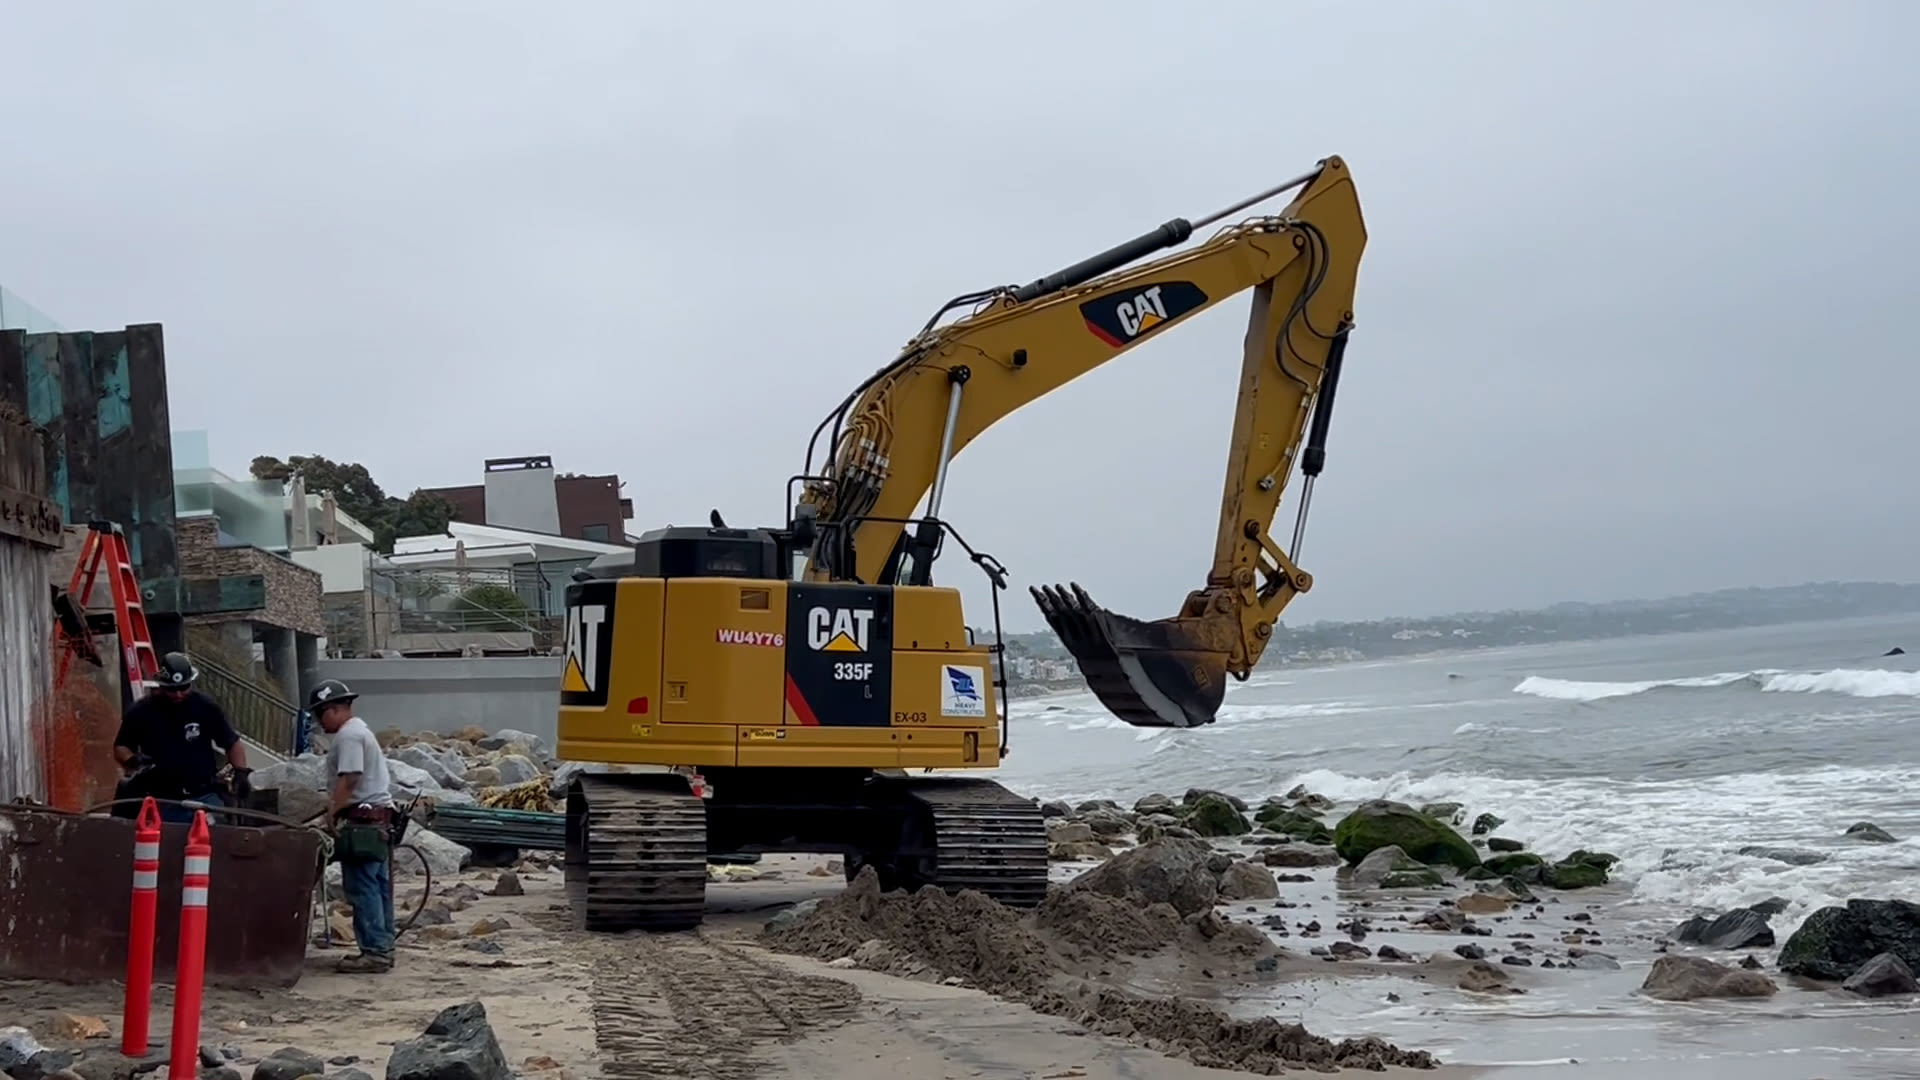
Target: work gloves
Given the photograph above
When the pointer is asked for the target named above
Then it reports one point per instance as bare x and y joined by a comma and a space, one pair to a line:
242, 783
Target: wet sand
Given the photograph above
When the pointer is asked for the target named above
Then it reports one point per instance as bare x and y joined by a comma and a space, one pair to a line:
1568, 1022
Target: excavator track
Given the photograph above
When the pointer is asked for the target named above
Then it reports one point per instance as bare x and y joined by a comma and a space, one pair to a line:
636, 853
985, 838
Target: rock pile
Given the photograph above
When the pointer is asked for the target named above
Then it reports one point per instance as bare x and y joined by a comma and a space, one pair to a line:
508, 769
1872, 947
1388, 844
1157, 895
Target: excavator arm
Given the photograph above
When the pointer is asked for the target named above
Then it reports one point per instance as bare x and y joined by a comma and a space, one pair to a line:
895, 437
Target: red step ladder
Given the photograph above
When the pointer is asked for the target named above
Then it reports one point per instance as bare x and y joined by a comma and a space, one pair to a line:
74, 626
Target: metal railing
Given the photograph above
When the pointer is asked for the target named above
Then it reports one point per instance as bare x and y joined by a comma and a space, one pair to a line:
261, 717
490, 601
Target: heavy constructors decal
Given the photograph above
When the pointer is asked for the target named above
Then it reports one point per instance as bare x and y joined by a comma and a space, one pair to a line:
962, 690
844, 675
583, 681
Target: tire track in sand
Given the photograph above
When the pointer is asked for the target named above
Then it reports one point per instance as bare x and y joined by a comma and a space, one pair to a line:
686, 1005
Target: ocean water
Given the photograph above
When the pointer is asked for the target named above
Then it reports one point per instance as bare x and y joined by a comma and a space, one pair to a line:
1671, 751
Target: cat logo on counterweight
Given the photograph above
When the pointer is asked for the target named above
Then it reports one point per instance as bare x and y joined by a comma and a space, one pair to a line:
585, 625
838, 629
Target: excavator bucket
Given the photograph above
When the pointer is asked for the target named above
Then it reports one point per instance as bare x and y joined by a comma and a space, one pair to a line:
1166, 673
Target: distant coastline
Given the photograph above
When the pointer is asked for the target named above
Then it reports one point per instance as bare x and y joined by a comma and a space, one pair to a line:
1039, 666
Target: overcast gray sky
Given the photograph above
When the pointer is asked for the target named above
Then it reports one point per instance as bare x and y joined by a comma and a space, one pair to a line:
1632, 319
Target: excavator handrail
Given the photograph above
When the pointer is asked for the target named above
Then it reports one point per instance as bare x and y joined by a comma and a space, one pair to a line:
996, 574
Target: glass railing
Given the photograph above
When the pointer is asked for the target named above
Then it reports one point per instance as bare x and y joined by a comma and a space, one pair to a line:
17, 314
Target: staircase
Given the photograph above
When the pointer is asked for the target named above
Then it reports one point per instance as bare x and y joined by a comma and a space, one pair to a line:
268, 723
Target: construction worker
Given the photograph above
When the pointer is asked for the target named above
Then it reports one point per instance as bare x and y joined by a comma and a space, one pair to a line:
170, 742
360, 814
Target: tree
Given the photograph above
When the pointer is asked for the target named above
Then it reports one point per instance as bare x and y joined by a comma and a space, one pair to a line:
357, 494
487, 606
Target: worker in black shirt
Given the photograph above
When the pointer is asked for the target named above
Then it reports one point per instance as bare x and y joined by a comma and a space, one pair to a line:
170, 742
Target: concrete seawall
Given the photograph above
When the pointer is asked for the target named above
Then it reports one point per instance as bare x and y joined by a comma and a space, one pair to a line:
519, 692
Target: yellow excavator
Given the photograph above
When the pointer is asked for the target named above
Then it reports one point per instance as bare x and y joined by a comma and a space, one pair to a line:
731, 691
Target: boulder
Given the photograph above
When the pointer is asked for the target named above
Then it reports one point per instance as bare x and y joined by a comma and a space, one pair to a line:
1300, 856
1741, 928
1107, 824
444, 766
562, 777
1214, 815
1580, 870
1154, 804
288, 1063
302, 784
514, 769
1391, 868
444, 857
1690, 978
1790, 856
1834, 942
410, 780
1161, 871
508, 737
1882, 976
458, 1044
1869, 832
1523, 865
1294, 824
1486, 823
1194, 795
1062, 831
1383, 823
1245, 880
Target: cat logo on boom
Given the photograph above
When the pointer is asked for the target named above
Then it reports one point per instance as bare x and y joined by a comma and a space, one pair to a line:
1120, 319
584, 623
1142, 313
838, 629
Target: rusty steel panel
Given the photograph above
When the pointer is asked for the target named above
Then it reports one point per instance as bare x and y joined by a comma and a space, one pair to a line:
66, 885
102, 400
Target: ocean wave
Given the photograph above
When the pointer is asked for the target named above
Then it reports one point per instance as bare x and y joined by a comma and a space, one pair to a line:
1679, 841
1851, 682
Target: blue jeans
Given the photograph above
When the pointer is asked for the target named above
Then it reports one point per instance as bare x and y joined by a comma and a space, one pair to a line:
183, 815
370, 892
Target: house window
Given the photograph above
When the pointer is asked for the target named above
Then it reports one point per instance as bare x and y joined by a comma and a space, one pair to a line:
594, 532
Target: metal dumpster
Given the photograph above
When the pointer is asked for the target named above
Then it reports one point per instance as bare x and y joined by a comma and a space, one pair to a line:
66, 884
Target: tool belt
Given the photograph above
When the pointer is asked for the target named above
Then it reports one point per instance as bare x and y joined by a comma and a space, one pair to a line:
366, 833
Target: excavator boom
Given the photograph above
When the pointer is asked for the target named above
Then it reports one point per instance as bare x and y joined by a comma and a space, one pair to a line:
895, 437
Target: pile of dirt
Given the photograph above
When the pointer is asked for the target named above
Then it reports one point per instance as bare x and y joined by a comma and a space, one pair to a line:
966, 936
1209, 1038
1027, 958
1098, 925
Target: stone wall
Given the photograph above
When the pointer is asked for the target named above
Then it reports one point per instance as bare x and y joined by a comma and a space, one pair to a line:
293, 591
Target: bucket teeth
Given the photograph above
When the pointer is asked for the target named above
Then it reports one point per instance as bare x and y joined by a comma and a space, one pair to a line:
1157, 674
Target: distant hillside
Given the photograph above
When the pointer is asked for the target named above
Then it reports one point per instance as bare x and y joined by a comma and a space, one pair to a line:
1725, 609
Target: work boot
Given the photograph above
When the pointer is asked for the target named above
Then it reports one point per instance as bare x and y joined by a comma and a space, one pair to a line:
367, 963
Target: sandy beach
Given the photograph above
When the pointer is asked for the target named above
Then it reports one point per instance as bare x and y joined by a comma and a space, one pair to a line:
711, 1004
797, 974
